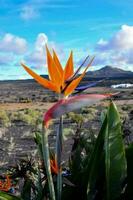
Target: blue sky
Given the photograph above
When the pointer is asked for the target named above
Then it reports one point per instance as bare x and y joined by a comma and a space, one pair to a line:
103, 28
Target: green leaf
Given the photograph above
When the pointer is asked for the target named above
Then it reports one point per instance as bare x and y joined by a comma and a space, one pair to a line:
6, 196
26, 192
75, 164
95, 168
107, 159
39, 190
115, 161
38, 141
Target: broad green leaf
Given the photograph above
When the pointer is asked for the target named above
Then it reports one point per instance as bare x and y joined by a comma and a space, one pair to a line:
6, 196
110, 143
115, 161
96, 165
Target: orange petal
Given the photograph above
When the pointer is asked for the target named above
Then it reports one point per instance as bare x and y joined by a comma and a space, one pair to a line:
42, 81
76, 81
68, 71
57, 62
54, 167
54, 73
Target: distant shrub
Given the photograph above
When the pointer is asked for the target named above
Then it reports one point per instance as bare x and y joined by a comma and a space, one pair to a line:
126, 107
29, 116
89, 113
77, 118
4, 119
24, 100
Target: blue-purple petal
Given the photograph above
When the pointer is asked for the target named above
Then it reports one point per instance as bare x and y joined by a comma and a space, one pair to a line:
84, 87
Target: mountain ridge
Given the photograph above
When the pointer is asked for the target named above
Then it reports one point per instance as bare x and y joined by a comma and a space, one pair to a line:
109, 72
105, 72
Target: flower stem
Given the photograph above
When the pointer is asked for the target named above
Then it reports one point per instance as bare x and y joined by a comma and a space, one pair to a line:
46, 157
59, 140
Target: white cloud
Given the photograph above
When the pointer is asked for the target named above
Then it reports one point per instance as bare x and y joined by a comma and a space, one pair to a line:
13, 49
41, 40
37, 57
13, 44
58, 48
28, 12
101, 59
118, 50
122, 40
120, 59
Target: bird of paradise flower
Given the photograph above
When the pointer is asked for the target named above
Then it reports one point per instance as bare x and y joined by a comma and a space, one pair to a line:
63, 81
60, 80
